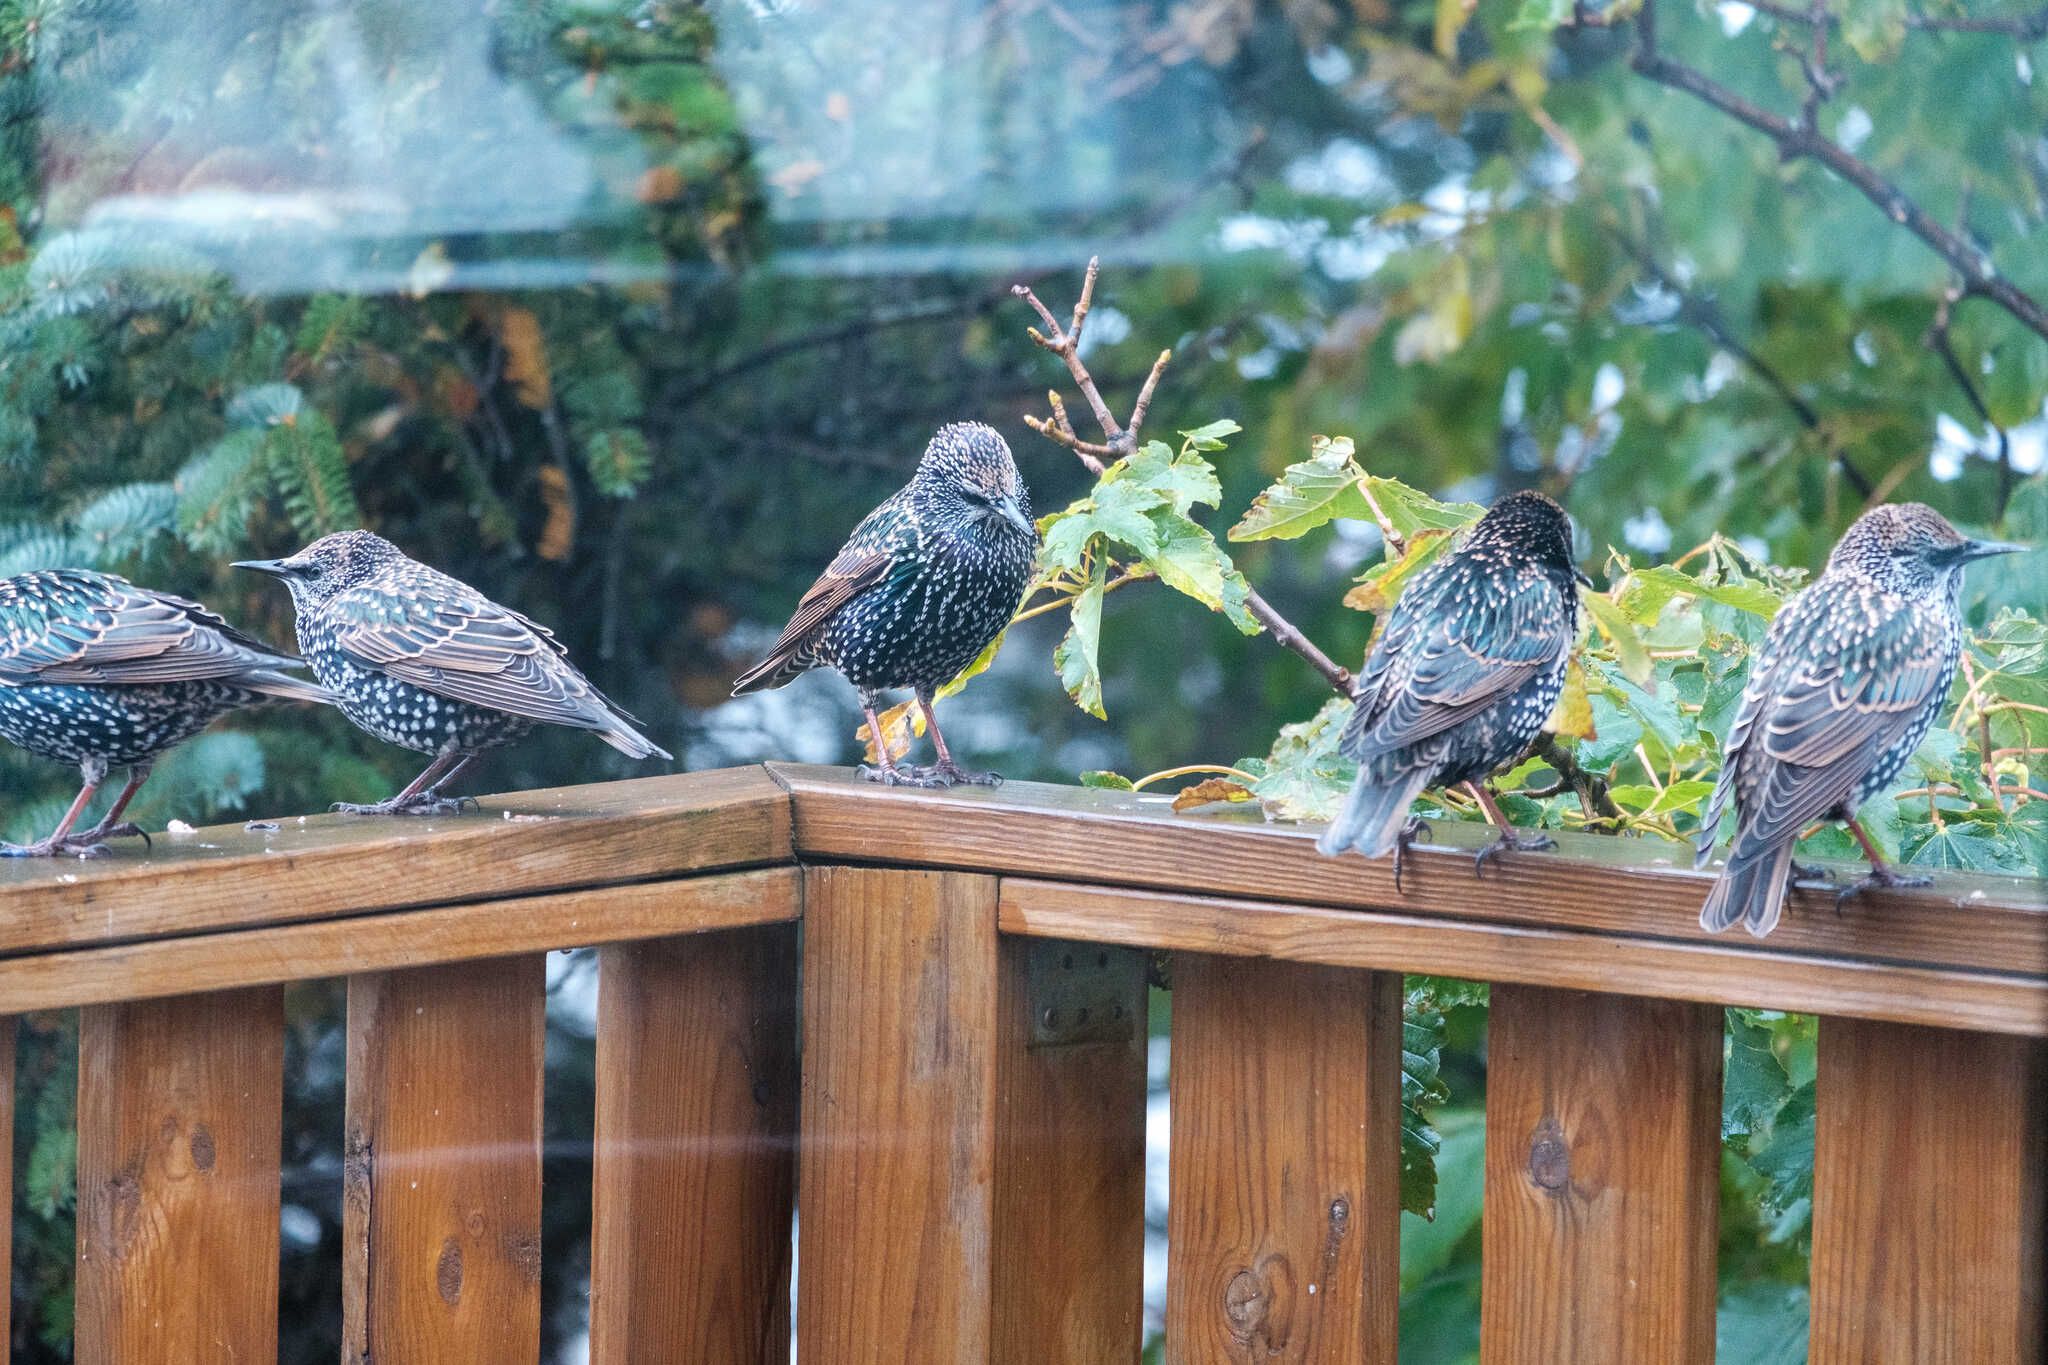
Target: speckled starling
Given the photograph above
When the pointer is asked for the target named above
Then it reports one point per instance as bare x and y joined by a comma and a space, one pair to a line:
428, 663
1847, 682
101, 673
922, 586
1468, 667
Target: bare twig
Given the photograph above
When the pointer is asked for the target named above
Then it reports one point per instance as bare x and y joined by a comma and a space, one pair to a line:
1122, 440
1594, 799
1937, 340
1797, 140
2026, 28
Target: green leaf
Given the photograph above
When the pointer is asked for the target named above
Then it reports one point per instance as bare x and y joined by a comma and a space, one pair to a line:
1756, 1083
1105, 780
1210, 437
1541, 15
618, 461
1189, 561
1787, 1163
1181, 482
1075, 658
1659, 583
1409, 510
1428, 1244
1308, 495
1874, 29
1629, 652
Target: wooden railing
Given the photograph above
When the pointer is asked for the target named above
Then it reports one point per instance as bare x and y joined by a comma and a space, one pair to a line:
960, 1110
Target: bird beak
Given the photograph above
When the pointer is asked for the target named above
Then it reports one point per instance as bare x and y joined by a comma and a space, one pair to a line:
1984, 549
276, 568
1014, 514
1585, 579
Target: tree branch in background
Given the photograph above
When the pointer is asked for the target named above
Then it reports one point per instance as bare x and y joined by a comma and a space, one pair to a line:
1119, 441
2025, 28
1703, 314
1937, 340
1594, 799
1801, 140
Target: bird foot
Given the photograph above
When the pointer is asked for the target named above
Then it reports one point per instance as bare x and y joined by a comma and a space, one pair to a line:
1512, 842
418, 805
1415, 829
90, 844
953, 775
1812, 872
889, 775
1879, 878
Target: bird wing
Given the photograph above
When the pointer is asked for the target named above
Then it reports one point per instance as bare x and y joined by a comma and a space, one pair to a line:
97, 628
1455, 644
875, 548
1818, 724
463, 646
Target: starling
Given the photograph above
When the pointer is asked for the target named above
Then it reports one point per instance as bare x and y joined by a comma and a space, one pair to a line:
921, 587
99, 672
428, 663
1468, 667
1847, 682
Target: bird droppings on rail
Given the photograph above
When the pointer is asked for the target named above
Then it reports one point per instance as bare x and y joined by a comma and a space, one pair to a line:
180, 827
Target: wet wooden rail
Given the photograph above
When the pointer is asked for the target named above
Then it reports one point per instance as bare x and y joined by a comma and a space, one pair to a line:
943, 1067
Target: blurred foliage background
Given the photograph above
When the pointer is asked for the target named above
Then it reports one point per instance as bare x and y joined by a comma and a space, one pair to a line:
627, 312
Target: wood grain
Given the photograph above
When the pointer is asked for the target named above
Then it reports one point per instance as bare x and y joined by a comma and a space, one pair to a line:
898, 1129
1630, 888
400, 938
228, 877
441, 1164
1731, 971
1069, 1240
1930, 1207
695, 1149
1283, 1240
1603, 1143
7, 1032
179, 1114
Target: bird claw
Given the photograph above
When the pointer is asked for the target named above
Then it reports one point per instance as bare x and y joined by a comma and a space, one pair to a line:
1812, 872
87, 845
419, 805
1517, 843
1878, 879
953, 775
889, 775
1410, 832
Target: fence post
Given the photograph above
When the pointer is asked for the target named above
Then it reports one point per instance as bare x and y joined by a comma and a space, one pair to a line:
180, 1107
441, 1164
1930, 1195
1602, 1204
898, 1126
695, 1164
1283, 1230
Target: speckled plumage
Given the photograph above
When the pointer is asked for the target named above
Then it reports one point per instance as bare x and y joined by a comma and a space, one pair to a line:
923, 584
1469, 666
101, 673
1849, 678
426, 662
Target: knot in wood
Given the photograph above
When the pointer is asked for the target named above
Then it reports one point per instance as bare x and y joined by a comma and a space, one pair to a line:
204, 1153
1258, 1303
448, 1273
1550, 1158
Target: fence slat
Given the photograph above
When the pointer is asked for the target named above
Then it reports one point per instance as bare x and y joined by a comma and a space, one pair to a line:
1069, 1241
894, 1193
1603, 1123
180, 1110
1930, 1205
1283, 1225
441, 1164
695, 1170
7, 1031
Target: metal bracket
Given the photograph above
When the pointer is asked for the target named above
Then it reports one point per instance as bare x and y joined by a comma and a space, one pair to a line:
1083, 993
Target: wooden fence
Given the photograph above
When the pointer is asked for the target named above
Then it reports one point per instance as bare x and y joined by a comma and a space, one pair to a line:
960, 1110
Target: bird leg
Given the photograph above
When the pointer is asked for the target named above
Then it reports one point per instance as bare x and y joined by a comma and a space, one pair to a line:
946, 771
111, 825
1410, 832
1882, 874
1510, 838
884, 769
61, 839
420, 795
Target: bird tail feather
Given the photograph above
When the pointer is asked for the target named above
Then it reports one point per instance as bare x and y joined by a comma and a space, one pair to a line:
1751, 889
1373, 815
629, 741
286, 686
772, 672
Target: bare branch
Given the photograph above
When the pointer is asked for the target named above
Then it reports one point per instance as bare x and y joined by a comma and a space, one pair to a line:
1937, 340
2026, 28
1121, 441
1797, 140
1594, 799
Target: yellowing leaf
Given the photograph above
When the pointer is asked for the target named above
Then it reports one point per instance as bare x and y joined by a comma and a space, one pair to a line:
526, 357
1621, 633
1209, 791
1308, 495
558, 532
1451, 18
1573, 714
1381, 588
900, 723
